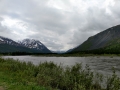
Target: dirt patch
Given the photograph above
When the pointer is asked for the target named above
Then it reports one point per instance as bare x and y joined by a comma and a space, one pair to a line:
1, 88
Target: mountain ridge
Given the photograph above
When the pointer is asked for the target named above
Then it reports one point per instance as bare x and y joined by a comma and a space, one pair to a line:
100, 40
9, 45
34, 44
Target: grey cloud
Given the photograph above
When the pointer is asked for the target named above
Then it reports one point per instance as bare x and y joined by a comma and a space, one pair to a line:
3, 29
5, 32
44, 17
1, 19
54, 46
96, 21
53, 26
115, 9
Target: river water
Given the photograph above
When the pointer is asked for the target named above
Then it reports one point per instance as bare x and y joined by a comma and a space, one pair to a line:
100, 64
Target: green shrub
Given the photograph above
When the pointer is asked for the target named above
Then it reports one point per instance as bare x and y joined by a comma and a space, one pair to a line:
54, 76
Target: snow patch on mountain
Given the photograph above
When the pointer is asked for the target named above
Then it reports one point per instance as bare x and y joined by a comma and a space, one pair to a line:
33, 44
29, 44
1, 39
4, 40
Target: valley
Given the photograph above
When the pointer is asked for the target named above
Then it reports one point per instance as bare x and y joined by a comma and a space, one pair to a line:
33, 65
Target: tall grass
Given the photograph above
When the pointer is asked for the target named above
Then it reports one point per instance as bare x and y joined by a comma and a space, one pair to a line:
54, 76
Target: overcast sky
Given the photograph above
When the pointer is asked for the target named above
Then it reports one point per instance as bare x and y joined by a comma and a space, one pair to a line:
58, 24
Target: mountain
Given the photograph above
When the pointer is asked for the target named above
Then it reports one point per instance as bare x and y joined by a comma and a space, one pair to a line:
106, 38
8, 45
4, 40
70, 50
35, 45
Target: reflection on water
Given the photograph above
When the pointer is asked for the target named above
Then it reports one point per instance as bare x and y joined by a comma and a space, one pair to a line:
99, 64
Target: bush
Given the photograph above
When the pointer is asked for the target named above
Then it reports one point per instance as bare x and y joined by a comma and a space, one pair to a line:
48, 74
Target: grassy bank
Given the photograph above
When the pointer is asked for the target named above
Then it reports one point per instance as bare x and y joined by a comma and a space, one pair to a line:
76, 55
15, 75
62, 55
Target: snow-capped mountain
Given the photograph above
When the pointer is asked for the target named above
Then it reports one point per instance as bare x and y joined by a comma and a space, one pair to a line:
4, 40
34, 44
8, 45
27, 45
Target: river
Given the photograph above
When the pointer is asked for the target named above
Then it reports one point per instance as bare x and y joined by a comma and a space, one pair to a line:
102, 64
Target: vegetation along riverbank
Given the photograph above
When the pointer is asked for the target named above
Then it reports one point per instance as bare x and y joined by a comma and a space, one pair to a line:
16, 75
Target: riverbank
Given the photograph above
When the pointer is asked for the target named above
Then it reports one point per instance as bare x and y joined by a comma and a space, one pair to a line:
49, 76
63, 55
76, 55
